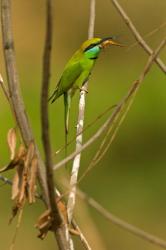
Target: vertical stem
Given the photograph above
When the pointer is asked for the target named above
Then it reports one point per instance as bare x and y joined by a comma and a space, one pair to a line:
59, 228
80, 124
16, 100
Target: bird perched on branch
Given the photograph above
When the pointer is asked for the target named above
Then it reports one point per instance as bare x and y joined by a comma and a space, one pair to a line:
78, 70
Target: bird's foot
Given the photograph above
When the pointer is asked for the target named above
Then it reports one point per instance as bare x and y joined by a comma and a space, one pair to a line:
83, 89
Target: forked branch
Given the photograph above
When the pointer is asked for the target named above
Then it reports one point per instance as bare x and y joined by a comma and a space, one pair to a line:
137, 35
117, 109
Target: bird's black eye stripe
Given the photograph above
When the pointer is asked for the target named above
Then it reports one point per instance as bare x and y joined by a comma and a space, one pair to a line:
90, 46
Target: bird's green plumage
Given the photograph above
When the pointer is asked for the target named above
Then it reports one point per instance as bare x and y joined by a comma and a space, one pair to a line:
77, 69
77, 72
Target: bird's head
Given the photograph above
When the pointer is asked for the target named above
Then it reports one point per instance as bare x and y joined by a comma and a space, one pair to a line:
92, 47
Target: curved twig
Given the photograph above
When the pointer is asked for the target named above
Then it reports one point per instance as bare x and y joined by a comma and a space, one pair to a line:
118, 108
136, 34
121, 223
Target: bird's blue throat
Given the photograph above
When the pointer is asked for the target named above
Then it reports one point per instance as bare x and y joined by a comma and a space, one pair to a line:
93, 52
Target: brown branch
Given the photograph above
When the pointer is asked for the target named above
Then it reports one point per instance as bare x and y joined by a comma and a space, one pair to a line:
102, 148
111, 217
121, 223
86, 128
149, 34
14, 87
59, 228
74, 224
136, 34
81, 236
118, 108
80, 124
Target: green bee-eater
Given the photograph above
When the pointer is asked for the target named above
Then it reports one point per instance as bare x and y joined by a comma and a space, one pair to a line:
78, 70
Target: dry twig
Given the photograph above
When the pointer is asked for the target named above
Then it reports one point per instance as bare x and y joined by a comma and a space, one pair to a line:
86, 127
136, 34
118, 109
103, 148
149, 34
80, 124
121, 223
14, 89
59, 228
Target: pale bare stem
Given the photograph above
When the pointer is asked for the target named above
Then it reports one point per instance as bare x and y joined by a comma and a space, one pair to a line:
136, 34
82, 237
80, 124
117, 109
14, 88
121, 223
151, 33
74, 224
59, 227
103, 148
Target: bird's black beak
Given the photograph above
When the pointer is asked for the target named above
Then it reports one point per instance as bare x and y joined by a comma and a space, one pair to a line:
106, 42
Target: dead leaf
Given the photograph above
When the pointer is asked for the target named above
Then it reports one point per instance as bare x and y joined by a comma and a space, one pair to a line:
11, 140
17, 182
26, 171
15, 209
32, 180
18, 159
62, 208
29, 155
44, 224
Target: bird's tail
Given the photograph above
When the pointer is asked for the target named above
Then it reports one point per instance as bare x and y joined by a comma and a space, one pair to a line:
54, 96
67, 103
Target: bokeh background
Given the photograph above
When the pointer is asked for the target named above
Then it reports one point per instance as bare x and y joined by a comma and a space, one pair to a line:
130, 180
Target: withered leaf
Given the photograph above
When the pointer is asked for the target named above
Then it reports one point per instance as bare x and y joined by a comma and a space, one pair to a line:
17, 182
11, 140
26, 170
32, 180
29, 155
19, 157
15, 209
62, 208
44, 224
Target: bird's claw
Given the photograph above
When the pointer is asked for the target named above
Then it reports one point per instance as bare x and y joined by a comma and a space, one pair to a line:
83, 89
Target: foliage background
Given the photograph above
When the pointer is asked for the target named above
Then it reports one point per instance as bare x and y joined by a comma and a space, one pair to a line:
130, 181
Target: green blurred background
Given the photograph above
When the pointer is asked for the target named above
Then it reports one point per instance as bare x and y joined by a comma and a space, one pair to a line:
130, 180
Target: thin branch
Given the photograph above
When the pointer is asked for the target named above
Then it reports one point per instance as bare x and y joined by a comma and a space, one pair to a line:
80, 124
121, 223
5, 180
82, 237
149, 34
136, 34
60, 230
86, 128
118, 109
74, 224
116, 125
111, 217
14, 87
17, 229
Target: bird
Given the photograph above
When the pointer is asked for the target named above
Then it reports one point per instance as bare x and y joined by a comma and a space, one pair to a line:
77, 71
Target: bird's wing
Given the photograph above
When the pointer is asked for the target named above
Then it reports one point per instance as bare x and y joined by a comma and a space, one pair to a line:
71, 72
